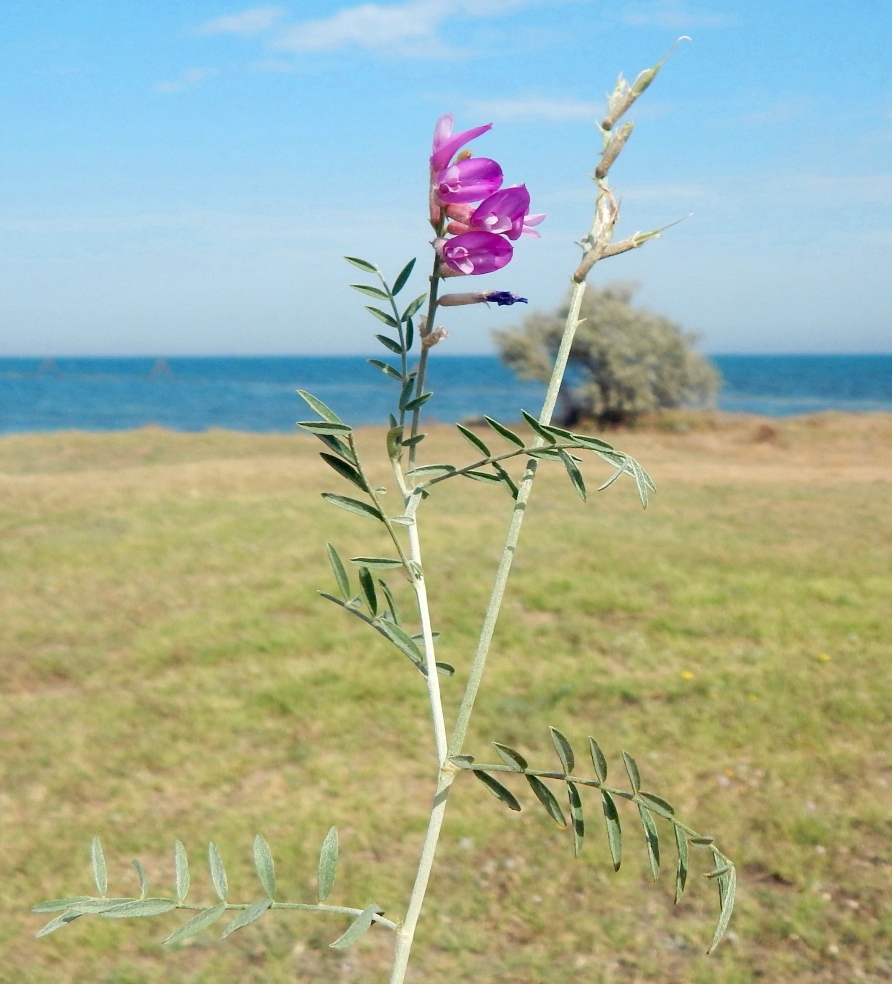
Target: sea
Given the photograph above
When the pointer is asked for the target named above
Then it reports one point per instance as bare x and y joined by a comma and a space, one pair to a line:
258, 393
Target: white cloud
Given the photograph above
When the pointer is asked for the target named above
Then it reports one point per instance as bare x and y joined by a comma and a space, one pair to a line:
248, 22
405, 28
186, 80
534, 108
674, 15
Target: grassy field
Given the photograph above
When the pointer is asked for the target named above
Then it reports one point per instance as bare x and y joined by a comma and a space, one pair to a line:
169, 671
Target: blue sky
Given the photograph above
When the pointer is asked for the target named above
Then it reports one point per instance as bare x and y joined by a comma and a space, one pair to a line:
184, 177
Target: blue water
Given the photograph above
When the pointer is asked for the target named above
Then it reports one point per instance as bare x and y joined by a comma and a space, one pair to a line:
257, 394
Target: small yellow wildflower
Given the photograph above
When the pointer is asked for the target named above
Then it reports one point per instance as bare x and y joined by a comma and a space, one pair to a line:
687, 675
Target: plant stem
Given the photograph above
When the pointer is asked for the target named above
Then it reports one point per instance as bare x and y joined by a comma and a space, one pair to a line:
422, 358
448, 771
433, 679
517, 516
406, 933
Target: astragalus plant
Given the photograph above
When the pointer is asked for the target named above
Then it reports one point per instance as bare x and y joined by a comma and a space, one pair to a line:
476, 221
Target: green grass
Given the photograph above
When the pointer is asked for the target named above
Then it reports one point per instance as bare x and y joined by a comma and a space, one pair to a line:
169, 671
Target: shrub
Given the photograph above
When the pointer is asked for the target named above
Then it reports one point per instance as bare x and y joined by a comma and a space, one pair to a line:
625, 361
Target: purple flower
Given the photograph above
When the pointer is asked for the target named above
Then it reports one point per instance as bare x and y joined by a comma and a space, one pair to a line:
503, 297
505, 212
470, 180
475, 253
500, 297
447, 144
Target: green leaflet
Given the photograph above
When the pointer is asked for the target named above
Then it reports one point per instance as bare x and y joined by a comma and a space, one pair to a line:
345, 470
141, 875
181, 866
388, 370
56, 923
247, 916
658, 805
403, 277
574, 473
651, 839
372, 291
328, 865
388, 319
139, 907
357, 928
413, 307
474, 440
509, 435
632, 770
511, 757
576, 818
599, 761
353, 505
218, 872
389, 343
498, 790
727, 883
97, 861
537, 428
480, 476
363, 264
564, 750
325, 412
377, 563
506, 479
547, 798
340, 573
614, 831
418, 402
266, 869
367, 584
59, 905
681, 872
323, 427
403, 641
197, 923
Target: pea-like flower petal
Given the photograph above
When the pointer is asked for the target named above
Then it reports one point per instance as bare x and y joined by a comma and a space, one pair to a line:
470, 180
475, 253
503, 212
447, 143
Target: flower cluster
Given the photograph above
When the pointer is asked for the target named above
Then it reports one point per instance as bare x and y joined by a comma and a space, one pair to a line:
467, 201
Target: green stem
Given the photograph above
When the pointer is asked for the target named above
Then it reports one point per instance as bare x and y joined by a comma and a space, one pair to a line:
504, 569
422, 358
